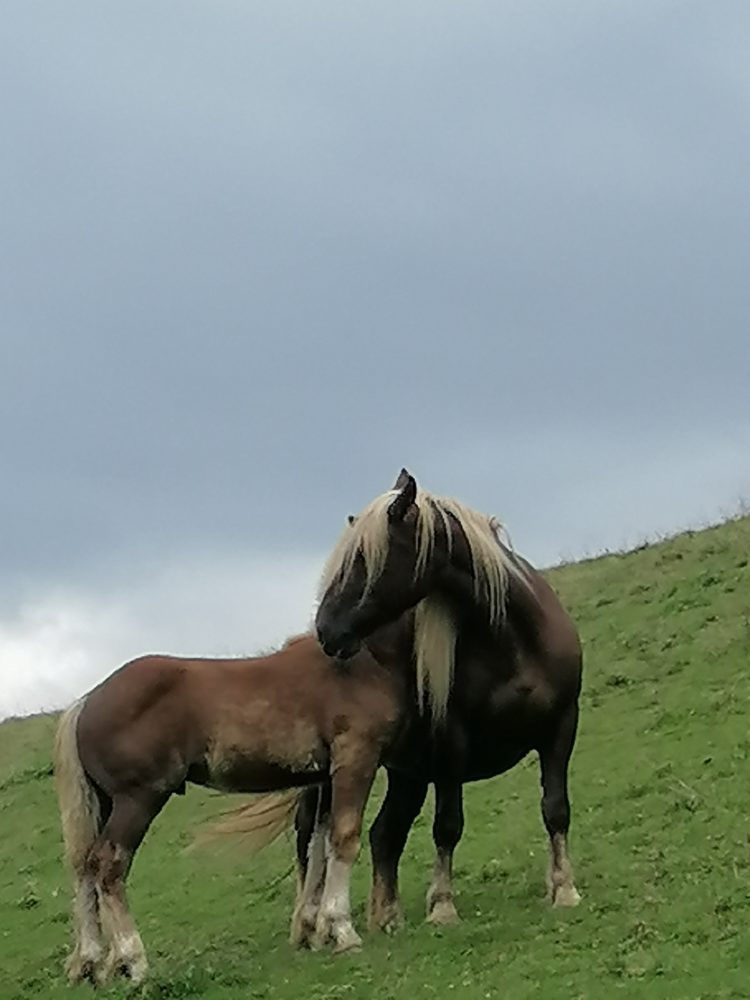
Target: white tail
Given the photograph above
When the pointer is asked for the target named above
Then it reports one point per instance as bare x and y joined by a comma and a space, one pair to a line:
257, 823
79, 806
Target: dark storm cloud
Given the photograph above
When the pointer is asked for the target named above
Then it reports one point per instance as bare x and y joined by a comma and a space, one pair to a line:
256, 257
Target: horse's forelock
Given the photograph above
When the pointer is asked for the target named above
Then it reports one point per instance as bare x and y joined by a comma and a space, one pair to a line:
366, 534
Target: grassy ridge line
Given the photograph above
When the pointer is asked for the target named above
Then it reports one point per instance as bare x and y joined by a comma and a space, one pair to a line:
660, 835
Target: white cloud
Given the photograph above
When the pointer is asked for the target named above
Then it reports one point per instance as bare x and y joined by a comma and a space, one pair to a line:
63, 642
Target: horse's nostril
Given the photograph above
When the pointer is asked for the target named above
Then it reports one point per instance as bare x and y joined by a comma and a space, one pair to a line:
324, 642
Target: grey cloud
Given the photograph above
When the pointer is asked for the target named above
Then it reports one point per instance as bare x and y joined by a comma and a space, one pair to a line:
256, 258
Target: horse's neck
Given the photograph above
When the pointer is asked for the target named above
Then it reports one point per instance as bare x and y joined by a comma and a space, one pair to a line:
470, 608
470, 605
392, 644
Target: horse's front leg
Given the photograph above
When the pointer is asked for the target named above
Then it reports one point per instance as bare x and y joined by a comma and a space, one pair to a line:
446, 830
353, 768
402, 804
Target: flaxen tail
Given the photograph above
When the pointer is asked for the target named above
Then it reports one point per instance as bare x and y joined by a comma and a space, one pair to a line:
255, 824
80, 812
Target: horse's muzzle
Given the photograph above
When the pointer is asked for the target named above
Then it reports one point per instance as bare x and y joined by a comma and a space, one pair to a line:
340, 647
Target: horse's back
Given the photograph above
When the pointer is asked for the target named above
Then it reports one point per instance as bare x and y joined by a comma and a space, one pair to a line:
230, 723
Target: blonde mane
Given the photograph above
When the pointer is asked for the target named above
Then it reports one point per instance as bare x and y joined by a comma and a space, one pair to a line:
435, 630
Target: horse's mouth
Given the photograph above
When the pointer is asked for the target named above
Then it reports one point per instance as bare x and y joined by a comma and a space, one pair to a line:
343, 648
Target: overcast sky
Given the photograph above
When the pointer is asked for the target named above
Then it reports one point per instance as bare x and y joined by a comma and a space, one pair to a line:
256, 257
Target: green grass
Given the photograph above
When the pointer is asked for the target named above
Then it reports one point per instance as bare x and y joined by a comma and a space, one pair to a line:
660, 837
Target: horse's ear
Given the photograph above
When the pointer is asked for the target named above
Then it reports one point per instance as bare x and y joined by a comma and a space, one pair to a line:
351, 518
403, 479
406, 498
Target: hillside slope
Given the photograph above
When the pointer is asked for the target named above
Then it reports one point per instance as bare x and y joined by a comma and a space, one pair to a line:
660, 834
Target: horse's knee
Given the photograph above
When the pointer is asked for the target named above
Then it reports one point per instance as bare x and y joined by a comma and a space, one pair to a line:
556, 812
345, 836
448, 825
447, 830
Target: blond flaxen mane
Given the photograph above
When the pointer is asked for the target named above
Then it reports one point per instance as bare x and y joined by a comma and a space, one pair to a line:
434, 627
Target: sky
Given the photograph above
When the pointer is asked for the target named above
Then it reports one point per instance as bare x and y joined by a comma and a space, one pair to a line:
255, 258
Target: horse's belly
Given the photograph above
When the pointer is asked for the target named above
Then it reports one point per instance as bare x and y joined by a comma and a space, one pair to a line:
266, 778
247, 759
494, 743
475, 744
243, 774
488, 760
470, 753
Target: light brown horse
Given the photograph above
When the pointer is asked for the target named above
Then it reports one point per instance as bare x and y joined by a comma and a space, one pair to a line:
288, 720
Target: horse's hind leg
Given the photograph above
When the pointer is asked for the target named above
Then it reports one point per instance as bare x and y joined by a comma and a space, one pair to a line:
446, 830
313, 832
554, 757
85, 959
402, 804
87, 953
108, 864
353, 769
84, 809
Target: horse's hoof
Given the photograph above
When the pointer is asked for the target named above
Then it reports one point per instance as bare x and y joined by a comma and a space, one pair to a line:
566, 896
132, 969
301, 936
105, 970
320, 938
443, 914
347, 941
393, 924
302, 929
80, 970
386, 919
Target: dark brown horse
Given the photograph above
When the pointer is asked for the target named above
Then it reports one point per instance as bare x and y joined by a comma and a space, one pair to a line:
498, 673
287, 720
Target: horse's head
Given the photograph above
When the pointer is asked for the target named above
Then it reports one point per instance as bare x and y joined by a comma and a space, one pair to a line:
389, 557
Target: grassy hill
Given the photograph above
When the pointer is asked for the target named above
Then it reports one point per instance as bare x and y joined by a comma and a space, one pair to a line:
660, 839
